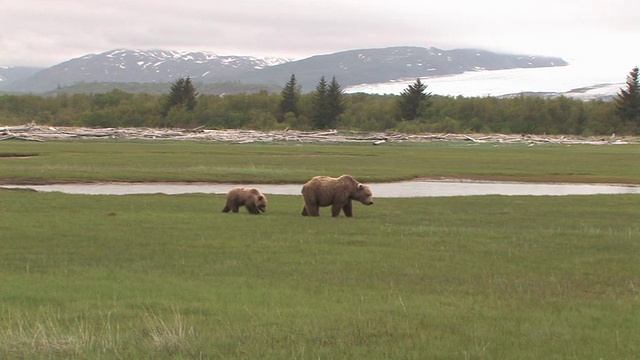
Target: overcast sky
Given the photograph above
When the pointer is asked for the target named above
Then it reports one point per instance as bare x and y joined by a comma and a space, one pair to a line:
47, 32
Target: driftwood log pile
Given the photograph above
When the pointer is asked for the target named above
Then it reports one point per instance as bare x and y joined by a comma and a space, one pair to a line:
33, 132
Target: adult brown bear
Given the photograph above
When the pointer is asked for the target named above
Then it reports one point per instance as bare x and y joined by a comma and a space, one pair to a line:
337, 192
251, 198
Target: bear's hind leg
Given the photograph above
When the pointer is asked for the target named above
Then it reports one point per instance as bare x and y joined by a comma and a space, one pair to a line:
335, 210
312, 210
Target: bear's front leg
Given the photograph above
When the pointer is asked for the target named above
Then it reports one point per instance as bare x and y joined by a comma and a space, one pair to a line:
348, 209
253, 209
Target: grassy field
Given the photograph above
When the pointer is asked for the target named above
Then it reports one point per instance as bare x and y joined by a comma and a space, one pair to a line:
153, 276
166, 277
78, 161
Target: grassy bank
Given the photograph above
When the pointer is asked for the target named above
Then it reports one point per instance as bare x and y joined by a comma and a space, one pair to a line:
158, 276
112, 160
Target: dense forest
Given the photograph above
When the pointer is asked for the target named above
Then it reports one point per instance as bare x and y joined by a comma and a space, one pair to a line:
265, 111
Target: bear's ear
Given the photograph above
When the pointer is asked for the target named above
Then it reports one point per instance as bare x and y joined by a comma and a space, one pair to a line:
360, 186
260, 197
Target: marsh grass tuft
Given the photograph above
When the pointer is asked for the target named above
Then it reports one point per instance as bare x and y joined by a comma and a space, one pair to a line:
49, 335
171, 336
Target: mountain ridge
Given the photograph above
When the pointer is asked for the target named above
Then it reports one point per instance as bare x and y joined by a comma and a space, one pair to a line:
351, 67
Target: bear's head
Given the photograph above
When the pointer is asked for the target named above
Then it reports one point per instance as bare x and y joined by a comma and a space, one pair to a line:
363, 194
261, 203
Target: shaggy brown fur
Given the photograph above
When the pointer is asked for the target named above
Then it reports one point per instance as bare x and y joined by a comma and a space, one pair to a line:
251, 198
337, 192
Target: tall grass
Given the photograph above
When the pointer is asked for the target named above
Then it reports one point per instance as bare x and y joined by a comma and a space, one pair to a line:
156, 276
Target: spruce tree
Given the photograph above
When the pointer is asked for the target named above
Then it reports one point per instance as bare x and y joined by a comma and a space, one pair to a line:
335, 100
628, 100
182, 93
411, 99
290, 96
320, 106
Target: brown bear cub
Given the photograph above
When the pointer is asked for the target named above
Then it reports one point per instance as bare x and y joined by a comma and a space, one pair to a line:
251, 198
337, 192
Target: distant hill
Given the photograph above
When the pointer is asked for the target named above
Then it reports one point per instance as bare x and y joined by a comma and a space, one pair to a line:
382, 65
349, 67
10, 74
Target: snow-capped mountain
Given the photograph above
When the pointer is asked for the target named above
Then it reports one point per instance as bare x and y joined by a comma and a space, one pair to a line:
364, 66
389, 64
138, 66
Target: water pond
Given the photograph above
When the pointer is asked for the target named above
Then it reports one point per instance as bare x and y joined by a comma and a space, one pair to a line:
416, 188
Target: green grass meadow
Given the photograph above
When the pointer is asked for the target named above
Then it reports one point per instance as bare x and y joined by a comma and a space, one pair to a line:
154, 276
114, 160
172, 277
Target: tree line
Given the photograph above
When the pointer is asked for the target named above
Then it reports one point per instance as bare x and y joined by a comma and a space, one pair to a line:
414, 110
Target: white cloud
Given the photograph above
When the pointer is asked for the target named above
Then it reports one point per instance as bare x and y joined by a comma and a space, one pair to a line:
43, 33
